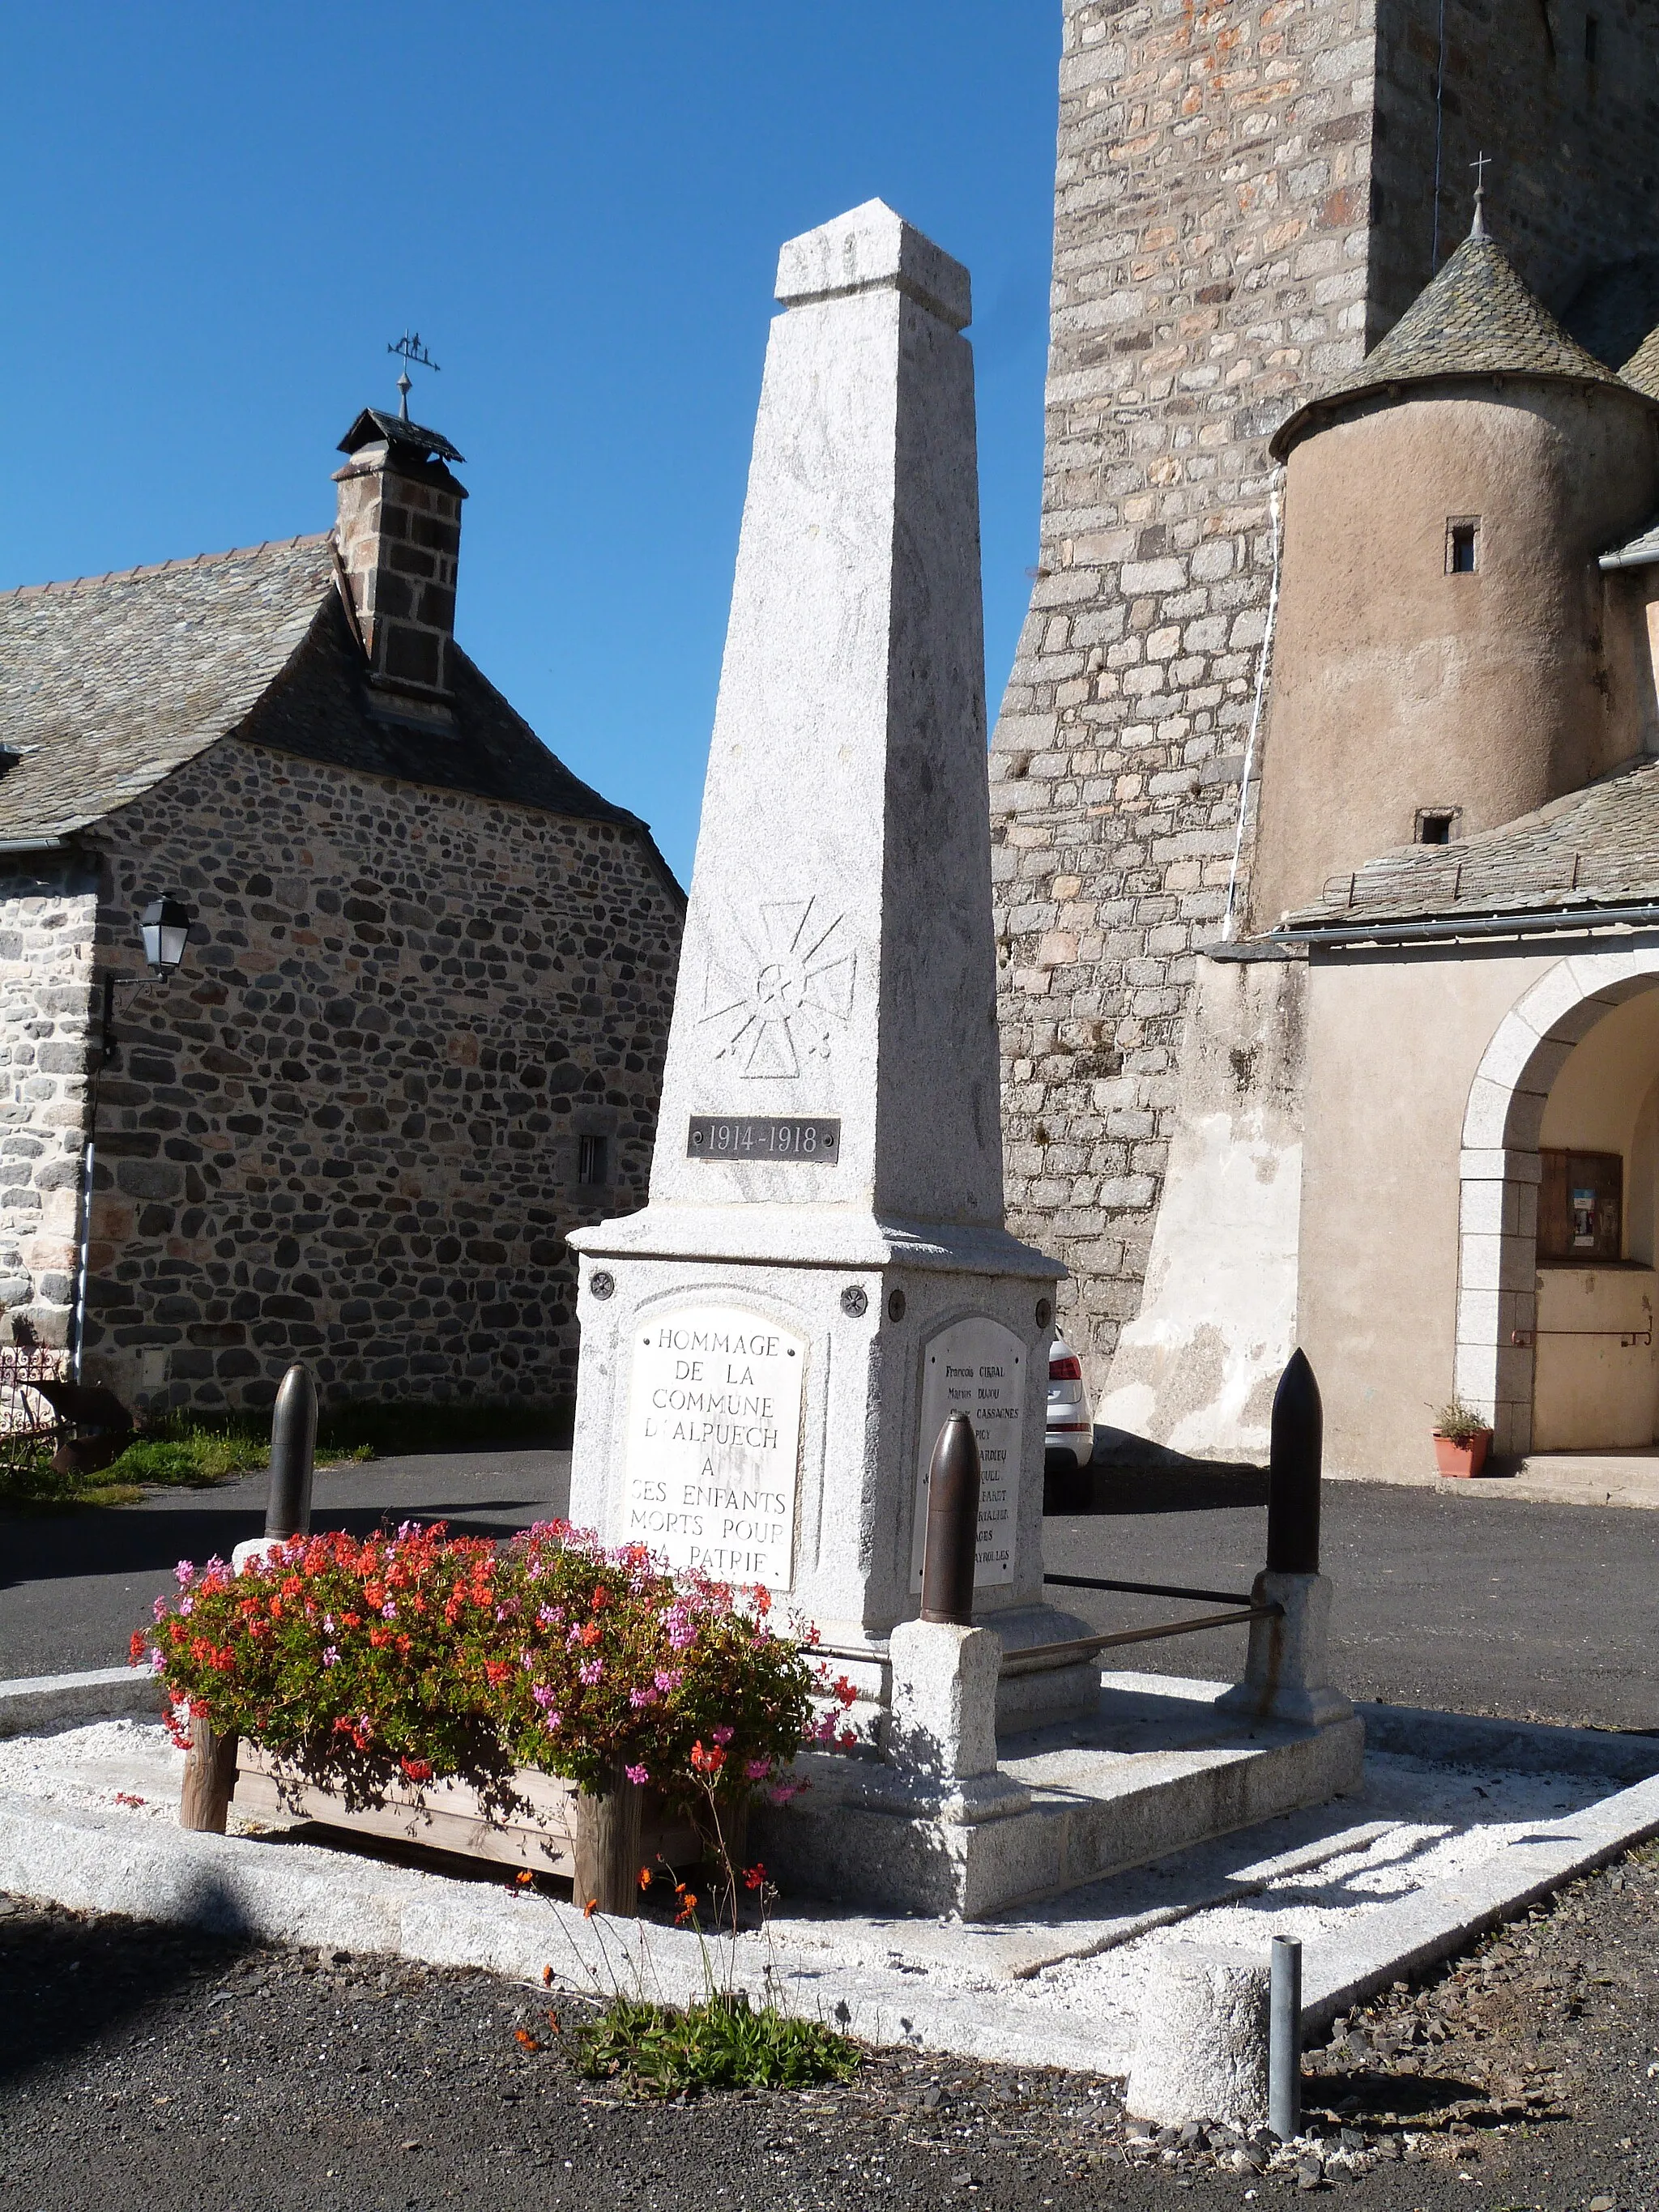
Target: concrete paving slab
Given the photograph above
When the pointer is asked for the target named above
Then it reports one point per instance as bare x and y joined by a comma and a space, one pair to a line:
31, 1703
1438, 1843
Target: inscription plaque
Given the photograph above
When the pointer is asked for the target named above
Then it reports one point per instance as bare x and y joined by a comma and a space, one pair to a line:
975, 1367
714, 1440
763, 1137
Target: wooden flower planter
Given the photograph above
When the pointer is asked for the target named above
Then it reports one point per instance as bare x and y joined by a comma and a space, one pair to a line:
598, 1843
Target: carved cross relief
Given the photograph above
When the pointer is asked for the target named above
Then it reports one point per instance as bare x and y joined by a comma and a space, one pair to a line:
776, 1003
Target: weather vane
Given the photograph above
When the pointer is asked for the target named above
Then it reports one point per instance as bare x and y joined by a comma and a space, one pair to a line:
410, 348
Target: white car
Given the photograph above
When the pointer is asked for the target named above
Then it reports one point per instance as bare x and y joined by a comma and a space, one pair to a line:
1070, 1423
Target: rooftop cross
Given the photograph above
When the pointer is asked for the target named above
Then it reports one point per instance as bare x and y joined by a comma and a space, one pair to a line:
410, 348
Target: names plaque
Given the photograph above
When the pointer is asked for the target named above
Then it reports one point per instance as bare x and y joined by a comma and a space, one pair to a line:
713, 1441
816, 1142
975, 1367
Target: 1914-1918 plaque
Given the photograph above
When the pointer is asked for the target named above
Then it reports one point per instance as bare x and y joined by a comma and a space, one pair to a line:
714, 1439
738, 1137
975, 1367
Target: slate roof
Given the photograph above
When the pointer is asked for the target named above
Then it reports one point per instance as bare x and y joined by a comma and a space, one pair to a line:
110, 683
1641, 552
1475, 318
397, 430
1598, 846
1642, 369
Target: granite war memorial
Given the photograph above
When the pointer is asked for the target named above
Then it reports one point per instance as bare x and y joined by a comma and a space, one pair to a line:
822, 1276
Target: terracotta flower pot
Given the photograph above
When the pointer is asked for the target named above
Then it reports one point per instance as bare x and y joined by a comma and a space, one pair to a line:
1466, 1458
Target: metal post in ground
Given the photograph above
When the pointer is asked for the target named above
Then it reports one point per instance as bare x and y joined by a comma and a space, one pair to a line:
293, 1454
1285, 2039
211, 1765
1293, 1471
952, 1536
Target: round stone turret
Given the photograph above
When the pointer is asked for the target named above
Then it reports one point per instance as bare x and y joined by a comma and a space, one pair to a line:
1448, 655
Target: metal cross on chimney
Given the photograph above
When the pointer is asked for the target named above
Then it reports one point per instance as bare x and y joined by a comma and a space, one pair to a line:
410, 348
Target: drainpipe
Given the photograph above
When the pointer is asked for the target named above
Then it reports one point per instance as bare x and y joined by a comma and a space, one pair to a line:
1227, 923
106, 1049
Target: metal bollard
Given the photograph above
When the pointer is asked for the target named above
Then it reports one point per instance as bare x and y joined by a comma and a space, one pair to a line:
952, 1536
1284, 2037
1298, 1432
210, 1766
293, 1454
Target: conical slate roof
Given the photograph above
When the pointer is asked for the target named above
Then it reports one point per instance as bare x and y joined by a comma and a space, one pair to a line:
1475, 319
1642, 369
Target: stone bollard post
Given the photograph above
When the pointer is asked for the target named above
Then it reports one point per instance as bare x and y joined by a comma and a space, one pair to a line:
1202, 2049
1285, 1672
943, 1722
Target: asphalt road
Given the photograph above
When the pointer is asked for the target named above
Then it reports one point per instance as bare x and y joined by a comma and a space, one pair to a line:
1463, 1598
145, 2069
74, 1586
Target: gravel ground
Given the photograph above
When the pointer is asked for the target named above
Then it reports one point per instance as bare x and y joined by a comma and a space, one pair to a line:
142, 2068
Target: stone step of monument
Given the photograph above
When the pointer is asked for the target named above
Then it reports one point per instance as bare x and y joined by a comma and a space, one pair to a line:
1153, 1771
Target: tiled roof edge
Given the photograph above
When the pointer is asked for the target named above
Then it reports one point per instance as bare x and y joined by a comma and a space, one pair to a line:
159, 568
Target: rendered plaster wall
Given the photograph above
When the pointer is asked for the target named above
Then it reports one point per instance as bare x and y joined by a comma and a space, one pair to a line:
1197, 1367
1399, 686
346, 1131
47, 914
1244, 201
1595, 1383
1393, 1045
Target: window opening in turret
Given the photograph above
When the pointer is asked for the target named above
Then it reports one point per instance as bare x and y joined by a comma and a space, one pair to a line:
1463, 545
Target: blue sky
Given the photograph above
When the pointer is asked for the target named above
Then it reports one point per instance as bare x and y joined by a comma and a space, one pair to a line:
216, 218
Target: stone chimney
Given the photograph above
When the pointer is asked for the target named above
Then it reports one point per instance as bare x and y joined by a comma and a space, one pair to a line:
398, 539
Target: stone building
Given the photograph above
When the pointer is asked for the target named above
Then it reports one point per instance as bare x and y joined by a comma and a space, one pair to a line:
419, 1031
1249, 197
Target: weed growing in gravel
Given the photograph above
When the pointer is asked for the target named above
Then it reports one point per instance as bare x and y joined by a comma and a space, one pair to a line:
720, 2042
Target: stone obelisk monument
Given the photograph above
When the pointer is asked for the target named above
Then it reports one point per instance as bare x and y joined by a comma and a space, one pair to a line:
822, 1274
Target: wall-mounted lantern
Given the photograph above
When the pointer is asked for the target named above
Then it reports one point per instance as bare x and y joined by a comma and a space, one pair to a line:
165, 924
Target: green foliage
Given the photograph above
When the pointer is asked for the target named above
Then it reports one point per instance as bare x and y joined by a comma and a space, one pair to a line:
1459, 1423
190, 1458
722, 2042
183, 1451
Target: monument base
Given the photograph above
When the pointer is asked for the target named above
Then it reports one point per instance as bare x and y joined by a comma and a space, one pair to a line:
1153, 1771
760, 1392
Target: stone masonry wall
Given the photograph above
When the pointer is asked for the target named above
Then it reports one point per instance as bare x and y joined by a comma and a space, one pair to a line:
48, 909
1243, 203
349, 1130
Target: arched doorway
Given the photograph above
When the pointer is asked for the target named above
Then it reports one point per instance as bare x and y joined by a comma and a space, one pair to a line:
1557, 1236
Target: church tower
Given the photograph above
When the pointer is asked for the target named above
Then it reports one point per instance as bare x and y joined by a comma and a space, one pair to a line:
1249, 194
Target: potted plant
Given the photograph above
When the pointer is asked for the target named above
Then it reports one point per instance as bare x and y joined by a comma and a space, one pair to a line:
1462, 1440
